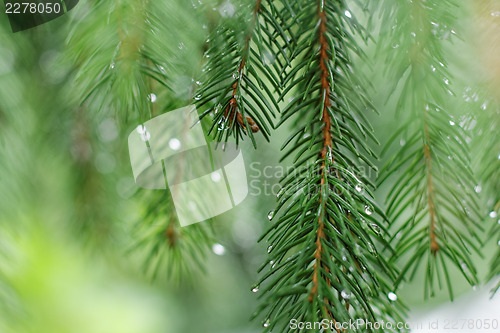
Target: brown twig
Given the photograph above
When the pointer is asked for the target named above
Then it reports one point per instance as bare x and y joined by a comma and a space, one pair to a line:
327, 140
434, 246
232, 107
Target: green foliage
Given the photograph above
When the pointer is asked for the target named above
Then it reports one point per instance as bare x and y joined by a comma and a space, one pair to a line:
333, 253
432, 202
245, 59
168, 248
487, 165
137, 70
323, 256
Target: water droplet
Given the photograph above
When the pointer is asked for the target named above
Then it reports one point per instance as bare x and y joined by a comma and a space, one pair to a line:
216, 177
218, 249
433, 68
174, 144
402, 142
181, 46
395, 46
152, 97
375, 227
112, 66
368, 210
146, 136
345, 295
392, 296
269, 249
498, 243
474, 288
495, 14
358, 188
267, 323
452, 123
270, 215
348, 14
141, 129
493, 214
440, 31
197, 97
478, 188
413, 34
255, 289
371, 248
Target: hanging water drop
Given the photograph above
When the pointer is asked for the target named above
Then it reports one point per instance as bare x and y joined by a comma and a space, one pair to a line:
216, 177
493, 214
358, 188
218, 249
270, 215
345, 295
267, 323
368, 210
174, 144
152, 98
375, 228
478, 188
255, 289
146, 136
392, 296
269, 249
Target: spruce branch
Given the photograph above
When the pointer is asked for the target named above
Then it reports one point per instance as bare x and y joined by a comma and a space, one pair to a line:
132, 70
323, 257
134, 47
487, 165
432, 204
242, 63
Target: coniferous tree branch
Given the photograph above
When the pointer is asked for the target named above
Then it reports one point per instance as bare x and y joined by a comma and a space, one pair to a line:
432, 204
485, 126
323, 257
132, 69
241, 64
